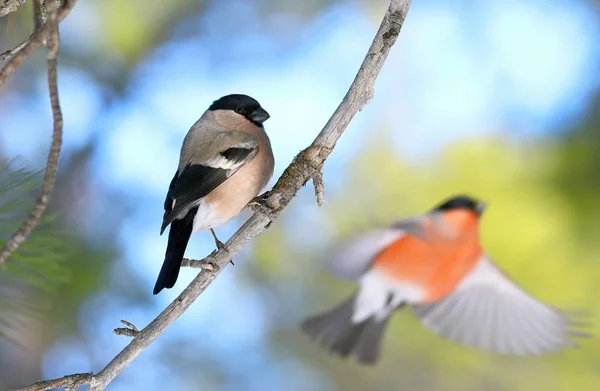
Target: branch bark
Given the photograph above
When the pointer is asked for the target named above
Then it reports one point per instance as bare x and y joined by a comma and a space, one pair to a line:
306, 165
11, 52
8, 6
69, 382
49, 30
17, 55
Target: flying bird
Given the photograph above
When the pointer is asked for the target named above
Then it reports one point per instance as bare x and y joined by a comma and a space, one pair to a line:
225, 161
434, 263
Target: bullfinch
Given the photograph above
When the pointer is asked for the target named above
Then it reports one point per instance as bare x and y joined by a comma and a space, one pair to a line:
434, 264
225, 161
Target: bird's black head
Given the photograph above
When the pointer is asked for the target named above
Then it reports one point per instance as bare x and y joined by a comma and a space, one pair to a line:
461, 202
243, 105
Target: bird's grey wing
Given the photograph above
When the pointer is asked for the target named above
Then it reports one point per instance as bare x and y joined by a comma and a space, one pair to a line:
488, 311
356, 254
197, 180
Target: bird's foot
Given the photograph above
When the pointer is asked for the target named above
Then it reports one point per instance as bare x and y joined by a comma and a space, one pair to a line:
264, 204
220, 245
260, 199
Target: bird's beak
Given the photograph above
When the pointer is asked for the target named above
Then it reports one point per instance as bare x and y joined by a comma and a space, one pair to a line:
480, 207
260, 115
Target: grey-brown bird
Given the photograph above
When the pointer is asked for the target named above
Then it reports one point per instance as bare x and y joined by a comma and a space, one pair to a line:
226, 160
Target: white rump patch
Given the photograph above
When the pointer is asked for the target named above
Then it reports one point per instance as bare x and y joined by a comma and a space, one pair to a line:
379, 295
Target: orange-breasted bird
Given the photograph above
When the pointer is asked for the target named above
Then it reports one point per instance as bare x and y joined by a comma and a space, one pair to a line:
435, 264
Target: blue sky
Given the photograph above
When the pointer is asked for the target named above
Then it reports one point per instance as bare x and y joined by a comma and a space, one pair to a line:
456, 71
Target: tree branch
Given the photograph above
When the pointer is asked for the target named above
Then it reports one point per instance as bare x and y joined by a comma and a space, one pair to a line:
69, 382
17, 55
11, 52
304, 167
8, 6
50, 28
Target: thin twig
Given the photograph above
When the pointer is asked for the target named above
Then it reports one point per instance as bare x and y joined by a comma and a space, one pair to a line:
34, 42
11, 52
43, 199
319, 185
198, 264
8, 6
300, 171
17, 58
129, 331
70, 381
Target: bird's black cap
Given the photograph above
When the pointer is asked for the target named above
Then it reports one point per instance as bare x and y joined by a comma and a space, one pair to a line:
243, 105
461, 202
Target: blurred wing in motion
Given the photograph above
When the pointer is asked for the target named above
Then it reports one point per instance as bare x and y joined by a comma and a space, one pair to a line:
489, 311
357, 253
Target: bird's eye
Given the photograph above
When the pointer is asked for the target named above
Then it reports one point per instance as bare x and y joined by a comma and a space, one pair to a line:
239, 110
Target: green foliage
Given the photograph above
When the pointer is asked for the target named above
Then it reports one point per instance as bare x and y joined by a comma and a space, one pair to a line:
133, 28
35, 269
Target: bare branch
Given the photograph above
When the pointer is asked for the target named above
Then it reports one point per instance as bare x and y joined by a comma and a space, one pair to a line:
43, 199
300, 171
8, 6
40, 14
11, 52
35, 41
69, 382
19, 56
198, 264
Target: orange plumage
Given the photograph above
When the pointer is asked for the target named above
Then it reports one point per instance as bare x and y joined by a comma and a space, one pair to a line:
434, 263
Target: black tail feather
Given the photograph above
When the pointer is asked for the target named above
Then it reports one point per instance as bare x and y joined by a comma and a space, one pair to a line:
368, 348
179, 235
336, 332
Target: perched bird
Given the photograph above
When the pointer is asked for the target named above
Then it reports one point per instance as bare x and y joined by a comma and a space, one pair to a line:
226, 160
434, 263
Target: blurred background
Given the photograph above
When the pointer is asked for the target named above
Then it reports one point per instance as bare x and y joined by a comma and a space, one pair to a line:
499, 99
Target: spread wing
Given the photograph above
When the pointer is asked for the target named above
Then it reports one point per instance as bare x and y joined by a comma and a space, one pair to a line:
489, 311
197, 180
357, 253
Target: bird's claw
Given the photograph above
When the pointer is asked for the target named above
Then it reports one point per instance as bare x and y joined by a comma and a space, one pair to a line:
221, 245
260, 199
259, 203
